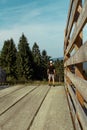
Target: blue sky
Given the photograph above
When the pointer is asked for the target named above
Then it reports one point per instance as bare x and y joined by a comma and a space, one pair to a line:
43, 22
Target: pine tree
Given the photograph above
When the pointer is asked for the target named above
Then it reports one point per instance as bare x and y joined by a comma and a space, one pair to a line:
36, 53
45, 56
37, 62
59, 70
25, 59
45, 60
8, 59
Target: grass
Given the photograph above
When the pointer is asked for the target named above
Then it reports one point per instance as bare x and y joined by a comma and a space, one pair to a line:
31, 82
44, 83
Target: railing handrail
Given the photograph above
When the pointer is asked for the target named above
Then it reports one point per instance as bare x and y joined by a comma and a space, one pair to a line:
74, 74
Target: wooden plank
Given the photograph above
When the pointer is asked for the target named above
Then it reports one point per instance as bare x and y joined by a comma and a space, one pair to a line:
21, 115
79, 57
73, 114
80, 97
77, 126
74, 9
9, 100
79, 110
54, 113
80, 84
72, 95
69, 13
10, 89
80, 23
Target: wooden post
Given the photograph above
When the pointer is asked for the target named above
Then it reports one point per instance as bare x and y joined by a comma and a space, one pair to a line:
79, 67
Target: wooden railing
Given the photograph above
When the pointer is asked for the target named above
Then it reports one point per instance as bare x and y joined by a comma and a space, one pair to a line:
75, 54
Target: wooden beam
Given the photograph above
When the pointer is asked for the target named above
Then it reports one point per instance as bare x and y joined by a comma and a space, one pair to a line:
74, 9
69, 13
80, 24
79, 57
80, 84
79, 111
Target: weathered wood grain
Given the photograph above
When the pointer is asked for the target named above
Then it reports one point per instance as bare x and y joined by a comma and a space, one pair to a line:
80, 84
79, 57
80, 24
43, 105
12, 98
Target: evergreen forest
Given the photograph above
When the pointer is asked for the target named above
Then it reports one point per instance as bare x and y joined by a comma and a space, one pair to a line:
23, 64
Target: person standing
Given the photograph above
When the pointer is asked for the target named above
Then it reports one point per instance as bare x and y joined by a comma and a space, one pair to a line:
51, 73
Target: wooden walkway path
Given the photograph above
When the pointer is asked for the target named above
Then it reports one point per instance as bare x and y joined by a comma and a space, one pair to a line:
34, 108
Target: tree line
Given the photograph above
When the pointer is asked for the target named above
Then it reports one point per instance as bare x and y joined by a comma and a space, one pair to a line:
23, 64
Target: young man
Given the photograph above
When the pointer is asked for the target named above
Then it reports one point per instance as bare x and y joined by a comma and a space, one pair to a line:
51, 73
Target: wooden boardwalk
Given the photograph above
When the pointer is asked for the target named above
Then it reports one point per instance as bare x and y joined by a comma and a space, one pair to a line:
34, 108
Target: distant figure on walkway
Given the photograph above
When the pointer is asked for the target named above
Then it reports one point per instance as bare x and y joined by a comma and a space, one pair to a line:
51, 73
